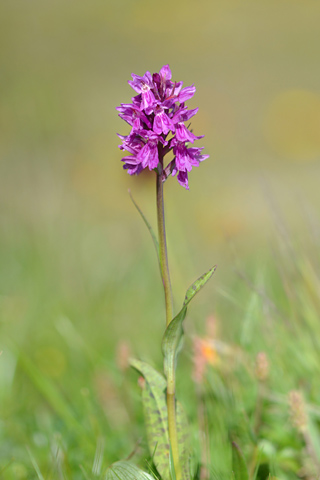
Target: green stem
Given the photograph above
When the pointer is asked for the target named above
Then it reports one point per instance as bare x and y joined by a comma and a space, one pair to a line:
171, 401
163, 249
173, 437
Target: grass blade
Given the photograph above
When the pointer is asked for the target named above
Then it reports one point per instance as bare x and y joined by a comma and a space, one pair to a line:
153, 235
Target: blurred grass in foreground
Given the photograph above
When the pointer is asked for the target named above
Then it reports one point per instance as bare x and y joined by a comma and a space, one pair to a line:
64, 397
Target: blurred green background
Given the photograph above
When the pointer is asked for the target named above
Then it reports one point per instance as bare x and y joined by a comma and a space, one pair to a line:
78, 271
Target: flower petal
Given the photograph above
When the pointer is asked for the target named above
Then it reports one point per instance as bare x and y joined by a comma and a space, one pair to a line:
186, 93
165, 72
183, 179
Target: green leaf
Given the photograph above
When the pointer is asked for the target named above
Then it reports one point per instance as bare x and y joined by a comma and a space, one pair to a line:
172, 470
126, 471
172, 342
153, 235
173, 337
198, 284
156, 416
154, 396
184, 442
239, 467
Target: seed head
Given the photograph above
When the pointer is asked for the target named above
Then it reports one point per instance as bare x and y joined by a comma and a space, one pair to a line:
262, 367
297, 410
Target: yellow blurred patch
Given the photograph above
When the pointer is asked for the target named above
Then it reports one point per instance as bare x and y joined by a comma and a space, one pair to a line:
292, 125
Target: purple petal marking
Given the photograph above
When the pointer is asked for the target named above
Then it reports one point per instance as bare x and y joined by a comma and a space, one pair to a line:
148, 156
147, 99
162, 123
186, 93
183, 134
183, 179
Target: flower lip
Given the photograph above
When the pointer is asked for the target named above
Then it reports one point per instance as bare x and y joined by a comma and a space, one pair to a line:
186, 93
143, 83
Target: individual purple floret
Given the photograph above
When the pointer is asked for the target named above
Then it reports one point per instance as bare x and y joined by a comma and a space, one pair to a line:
157, 116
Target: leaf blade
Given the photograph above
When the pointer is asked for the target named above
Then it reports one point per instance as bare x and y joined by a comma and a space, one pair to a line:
198, 285
173, 336
156, 416
124, 470
161, 450
183, 441
239, 467
148, 225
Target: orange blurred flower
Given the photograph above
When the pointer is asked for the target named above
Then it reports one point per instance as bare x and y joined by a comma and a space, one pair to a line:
204, 353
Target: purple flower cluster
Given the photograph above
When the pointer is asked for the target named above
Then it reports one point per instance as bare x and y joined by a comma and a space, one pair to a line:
157, 110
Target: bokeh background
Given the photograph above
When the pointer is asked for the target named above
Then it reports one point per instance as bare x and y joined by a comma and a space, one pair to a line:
78, 270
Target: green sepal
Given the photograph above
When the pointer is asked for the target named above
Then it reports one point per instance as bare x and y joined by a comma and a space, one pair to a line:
239, 466
124, 470
173, 336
